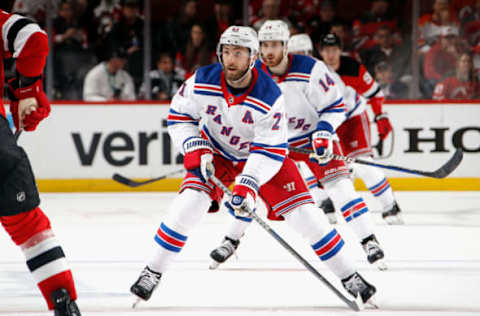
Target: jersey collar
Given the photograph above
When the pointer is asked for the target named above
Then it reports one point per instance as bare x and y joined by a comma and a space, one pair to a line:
232, 99
278, 78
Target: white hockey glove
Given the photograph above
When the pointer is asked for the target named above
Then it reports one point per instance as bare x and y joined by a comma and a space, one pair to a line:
198, 157
244, 195
322, 143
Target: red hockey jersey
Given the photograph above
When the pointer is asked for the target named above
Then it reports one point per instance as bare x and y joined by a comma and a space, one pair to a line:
23, 40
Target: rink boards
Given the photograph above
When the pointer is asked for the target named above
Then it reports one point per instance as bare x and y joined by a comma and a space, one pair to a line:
80, 146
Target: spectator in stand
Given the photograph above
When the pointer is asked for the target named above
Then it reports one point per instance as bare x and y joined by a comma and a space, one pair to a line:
321, 24
165, 80
443, 56
128, 32
108, 81
463, 85
105, 15
36, 10
365, 28
431, 24
72, 55
196, 53
177, 30
386, 50
392, 89
471, 24
220, 21
270, 11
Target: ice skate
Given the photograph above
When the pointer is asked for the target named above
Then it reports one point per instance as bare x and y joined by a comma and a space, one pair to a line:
393, 216
223, 252
329, 210
145, 284
356, 285
374, 253
64, 305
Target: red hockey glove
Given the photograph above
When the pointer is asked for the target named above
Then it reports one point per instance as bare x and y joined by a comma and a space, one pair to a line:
32, 106
198, 157
244, 194
322, 143
383, 125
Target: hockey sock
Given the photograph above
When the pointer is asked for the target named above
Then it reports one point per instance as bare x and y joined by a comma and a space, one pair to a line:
185, 212
45, 258
237, 229
353, 207
378, 185
325, 241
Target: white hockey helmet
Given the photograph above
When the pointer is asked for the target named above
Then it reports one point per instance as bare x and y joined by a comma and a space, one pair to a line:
274, 30
243, 36
300, 43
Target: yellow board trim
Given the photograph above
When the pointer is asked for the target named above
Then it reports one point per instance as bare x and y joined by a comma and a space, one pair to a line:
173, 184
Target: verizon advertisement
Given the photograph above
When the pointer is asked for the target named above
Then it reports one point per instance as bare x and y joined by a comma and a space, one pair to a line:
94, 141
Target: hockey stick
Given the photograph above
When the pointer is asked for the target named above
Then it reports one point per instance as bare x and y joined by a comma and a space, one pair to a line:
440, 173
352, 304
133, 184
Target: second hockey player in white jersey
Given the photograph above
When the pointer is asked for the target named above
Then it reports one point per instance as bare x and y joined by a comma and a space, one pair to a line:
229, 120
315, 108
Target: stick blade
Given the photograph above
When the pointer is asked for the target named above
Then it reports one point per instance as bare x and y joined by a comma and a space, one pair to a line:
121, 179
450, 166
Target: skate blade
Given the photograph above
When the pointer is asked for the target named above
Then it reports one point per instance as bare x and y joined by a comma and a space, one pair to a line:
381, 265
137, 301
214, 265
372, 303
359, 302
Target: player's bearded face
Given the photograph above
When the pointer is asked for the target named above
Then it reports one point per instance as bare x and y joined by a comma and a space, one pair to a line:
272, 52
236, 61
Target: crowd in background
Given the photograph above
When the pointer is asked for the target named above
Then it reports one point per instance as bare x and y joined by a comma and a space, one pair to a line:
98, 45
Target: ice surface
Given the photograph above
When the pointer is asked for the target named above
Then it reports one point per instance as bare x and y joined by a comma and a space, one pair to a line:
434, 261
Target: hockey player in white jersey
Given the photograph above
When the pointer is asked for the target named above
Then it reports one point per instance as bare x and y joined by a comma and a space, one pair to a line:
315, 108
229, 120
355, 131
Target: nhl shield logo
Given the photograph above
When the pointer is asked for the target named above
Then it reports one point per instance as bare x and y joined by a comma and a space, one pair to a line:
21, 197
230, 99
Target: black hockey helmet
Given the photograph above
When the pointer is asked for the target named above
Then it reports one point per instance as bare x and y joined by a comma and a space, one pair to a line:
331, 39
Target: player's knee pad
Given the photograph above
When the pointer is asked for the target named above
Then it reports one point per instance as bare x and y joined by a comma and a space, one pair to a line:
309, 222
18, 190
187, 209
23, 226
340, 192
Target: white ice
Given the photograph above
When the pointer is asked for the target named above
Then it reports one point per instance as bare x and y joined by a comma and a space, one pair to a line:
434, 261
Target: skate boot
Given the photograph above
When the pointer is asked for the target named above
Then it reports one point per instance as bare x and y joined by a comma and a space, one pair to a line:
356, 285
329, 210
374, 253
64, 306
393, 216
145, 284
223, 252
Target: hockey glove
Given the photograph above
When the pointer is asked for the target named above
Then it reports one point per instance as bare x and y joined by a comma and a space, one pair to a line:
32, 106
198, 157
322, 143
383, 125
244, 194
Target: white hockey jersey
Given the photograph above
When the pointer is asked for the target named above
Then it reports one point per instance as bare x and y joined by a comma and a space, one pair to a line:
247, 127
354, 103
313, 98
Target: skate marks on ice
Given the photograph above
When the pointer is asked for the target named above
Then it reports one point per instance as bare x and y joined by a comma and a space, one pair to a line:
434, 262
